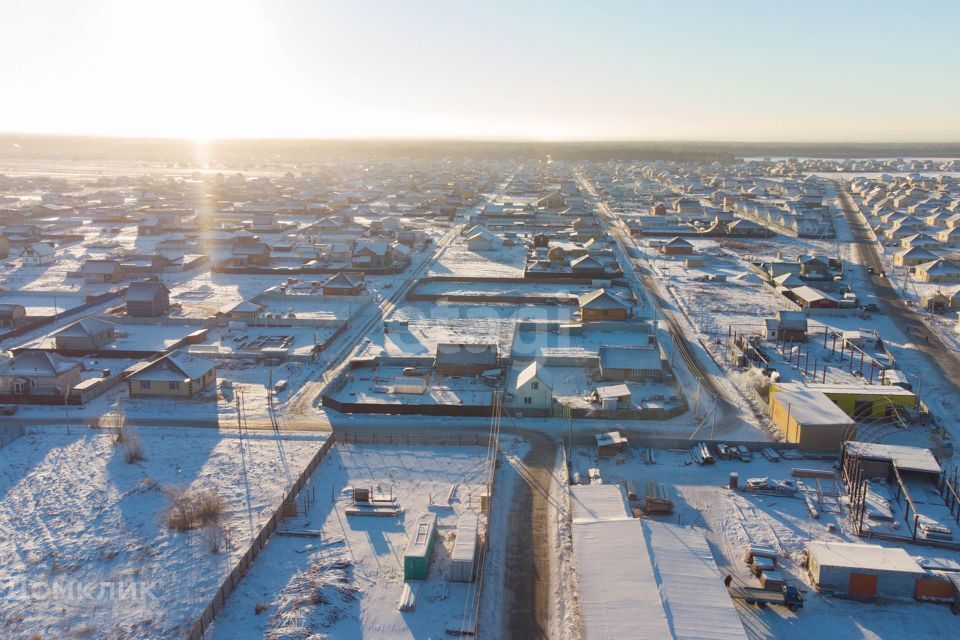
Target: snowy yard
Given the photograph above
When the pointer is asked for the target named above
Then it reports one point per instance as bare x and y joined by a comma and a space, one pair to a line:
501, 262
274, 599
377, 386
87, 553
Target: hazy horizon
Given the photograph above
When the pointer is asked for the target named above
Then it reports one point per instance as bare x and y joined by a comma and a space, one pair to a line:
744, 71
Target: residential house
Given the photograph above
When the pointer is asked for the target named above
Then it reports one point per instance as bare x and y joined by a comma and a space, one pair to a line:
176, 375
462, 359
38, 253
534, 388
586, 265
949, 236
147, 299
912, 257
812, 298
249, 254
601, 305
244, 310
38, 373
88, 334
100, 271
920, 241
618, 363
676, 247
343, 284
938, 271
941, 300
553, 200
12, 315
480, 241
814, 268
22, 234
372, 255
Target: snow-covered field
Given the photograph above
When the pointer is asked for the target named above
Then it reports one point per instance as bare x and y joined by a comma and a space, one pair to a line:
417, 328
501, 262
285, 595
86, 550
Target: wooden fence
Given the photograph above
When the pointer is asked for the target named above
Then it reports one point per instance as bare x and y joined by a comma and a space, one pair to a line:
287, 508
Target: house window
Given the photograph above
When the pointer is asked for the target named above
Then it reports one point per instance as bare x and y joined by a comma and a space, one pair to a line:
19, 388
174, 386
144, 384
527, 400
534, 385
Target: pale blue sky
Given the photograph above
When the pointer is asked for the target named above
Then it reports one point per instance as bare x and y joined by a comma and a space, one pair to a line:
650, 70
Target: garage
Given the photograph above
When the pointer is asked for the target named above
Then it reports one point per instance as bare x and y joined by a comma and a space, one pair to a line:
863, 571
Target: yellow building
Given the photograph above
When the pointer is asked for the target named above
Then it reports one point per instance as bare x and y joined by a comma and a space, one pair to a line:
864, 401
173, 376
809, 418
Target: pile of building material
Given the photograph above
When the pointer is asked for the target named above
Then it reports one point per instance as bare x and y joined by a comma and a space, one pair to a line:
934, 530
657, 503
367, 503
408, 597
769, 486
701, 454
760, 559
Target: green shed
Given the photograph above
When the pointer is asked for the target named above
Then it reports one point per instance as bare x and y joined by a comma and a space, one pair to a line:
416, 559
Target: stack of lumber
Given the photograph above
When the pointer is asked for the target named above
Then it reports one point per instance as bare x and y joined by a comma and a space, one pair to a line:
657, 503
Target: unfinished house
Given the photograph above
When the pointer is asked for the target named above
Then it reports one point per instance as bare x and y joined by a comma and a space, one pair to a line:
459, 359
148, 299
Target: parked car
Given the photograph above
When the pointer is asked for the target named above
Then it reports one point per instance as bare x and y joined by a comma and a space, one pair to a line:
745, 455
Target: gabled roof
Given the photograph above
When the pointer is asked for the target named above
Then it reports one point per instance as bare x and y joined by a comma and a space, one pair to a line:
244, 306
600, 299
39, 248
84, 328
144, 291
100, 266
32, 363
342, 281
467, 354
378, 248
585, 262
175, 367
677, 242
535, 370
938, 266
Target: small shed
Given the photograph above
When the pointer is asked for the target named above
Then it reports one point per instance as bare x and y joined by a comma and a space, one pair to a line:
464, 549
610, 444
612, 396
791, 325
414, 385
865, 571
416, 559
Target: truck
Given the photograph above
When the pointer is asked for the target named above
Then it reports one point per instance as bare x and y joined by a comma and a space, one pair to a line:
787, 596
